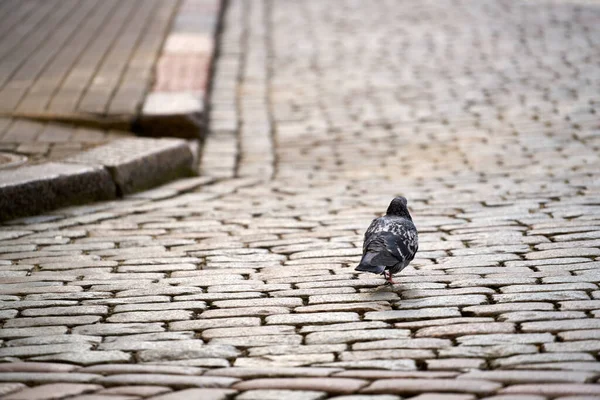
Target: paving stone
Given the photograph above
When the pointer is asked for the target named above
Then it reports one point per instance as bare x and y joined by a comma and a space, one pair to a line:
541, 296
555, 389
150, 316
267, 302
296, 349
407, 343
466, 329
500, 338
35, 331
571, 366
286, 360
493, 309
281, 394
208, 394
433, 385
515, 397
103, 397
111, 369
35, 367
329, 385
353, 336
579, 252
442, 396
26, 351
143, 391
298, 319
72, 310
521, 316
380, 374
386, 354
455, 364
575, 346
344, 307
522, 376
243, 312
382, 364
560, 325
349, 326
248, 331
208, 323
580, 335
178, 381
259, 340
488, 352
540, 358
87, 357
53, 391
443, 301
423, 313
188, 350
186, 305
7, 388
260, 372
103, 329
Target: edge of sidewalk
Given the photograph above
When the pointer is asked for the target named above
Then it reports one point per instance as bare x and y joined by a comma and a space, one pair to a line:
119, 168
176, 105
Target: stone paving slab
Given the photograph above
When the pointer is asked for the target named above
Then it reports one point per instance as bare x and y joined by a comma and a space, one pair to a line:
242, 282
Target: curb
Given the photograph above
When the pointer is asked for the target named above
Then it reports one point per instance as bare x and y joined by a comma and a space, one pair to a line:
106, 172
175, 106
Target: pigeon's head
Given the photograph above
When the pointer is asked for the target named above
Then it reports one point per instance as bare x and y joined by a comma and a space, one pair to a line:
398, 208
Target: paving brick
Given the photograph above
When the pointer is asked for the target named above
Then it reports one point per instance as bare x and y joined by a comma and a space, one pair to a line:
402, 315
7, 388
557, 389
446, 364
530, 376
401, 386
466, 329
353, 336
166, 380
329, 385
208, 394
281, 394
53, 391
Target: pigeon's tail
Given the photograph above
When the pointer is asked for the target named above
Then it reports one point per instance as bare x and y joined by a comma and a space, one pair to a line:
366, 266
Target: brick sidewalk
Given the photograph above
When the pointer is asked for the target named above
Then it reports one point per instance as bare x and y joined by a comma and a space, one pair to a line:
71, 59
241, 284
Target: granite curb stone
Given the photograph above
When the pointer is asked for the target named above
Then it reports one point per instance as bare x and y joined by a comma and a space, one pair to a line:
118, 168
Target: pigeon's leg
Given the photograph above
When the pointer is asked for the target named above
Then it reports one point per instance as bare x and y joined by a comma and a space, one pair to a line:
388, 278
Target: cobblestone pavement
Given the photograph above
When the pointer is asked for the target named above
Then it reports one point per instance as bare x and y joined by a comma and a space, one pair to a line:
79, 59
240, 284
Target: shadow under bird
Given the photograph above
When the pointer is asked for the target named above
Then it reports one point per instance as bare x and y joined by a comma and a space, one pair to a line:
391, 242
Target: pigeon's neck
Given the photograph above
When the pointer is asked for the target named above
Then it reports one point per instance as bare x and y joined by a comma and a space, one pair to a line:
398, 210
399, 214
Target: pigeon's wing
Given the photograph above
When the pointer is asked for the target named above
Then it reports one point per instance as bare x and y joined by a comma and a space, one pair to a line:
380, 250
377, 225
401, 244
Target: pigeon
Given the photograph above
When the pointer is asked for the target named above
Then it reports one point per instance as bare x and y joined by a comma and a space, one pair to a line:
391, 242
